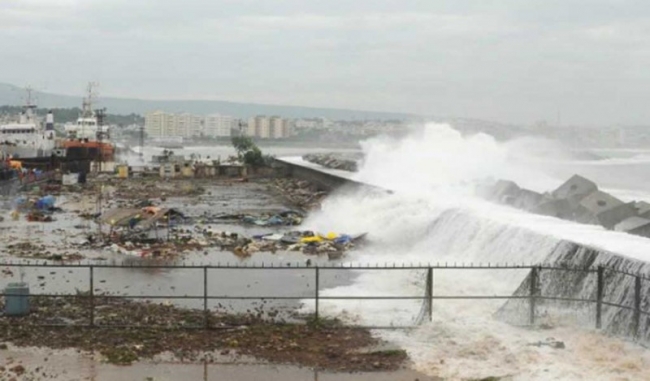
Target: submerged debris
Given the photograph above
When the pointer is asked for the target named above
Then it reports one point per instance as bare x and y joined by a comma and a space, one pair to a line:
322, 345
300, 193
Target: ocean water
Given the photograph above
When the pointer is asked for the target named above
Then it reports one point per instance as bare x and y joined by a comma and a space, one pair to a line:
433, 216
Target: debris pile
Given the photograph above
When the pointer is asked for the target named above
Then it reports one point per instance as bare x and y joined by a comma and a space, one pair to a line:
154, 189
39, 251
340, 161
324, 344
300, 193
307, 242
283, 218
37, 209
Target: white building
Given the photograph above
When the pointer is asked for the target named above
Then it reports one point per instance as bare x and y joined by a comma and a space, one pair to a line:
162, 124
159, 123
277, 127
188, 125
216, 125
263, 127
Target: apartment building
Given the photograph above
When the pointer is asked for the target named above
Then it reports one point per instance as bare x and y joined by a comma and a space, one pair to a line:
216, 125
264, 127
162, 124
159, 123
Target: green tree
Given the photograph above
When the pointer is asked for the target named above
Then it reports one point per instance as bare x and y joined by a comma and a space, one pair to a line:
248, 152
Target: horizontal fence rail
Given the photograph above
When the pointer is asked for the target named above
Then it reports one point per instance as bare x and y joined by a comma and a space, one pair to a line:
534, 294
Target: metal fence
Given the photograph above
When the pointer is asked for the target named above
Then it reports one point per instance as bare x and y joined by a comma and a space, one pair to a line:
541, 284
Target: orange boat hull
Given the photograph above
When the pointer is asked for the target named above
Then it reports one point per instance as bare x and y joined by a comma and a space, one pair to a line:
104, 151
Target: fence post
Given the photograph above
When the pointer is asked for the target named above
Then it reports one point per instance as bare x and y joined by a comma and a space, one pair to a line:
317, 287
533, 290
637, 304
429, 293
599, 297
206, 322
91, 295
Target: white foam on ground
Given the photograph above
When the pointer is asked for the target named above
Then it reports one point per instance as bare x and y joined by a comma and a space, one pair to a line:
431, 171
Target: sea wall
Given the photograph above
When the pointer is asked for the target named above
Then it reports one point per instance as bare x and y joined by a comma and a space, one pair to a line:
618, 287
341, 161
322, 180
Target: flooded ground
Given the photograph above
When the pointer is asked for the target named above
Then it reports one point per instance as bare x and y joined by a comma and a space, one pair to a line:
63, 244
71, 365
223, 198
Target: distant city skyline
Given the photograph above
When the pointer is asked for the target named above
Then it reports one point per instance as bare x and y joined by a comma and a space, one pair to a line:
509, 61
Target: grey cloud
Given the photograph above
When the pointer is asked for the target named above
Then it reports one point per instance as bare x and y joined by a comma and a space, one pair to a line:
509, 60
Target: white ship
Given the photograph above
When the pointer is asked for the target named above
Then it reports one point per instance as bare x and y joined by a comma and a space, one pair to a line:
28, 137
88, 127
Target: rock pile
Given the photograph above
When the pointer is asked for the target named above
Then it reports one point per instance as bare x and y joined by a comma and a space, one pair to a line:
340, 161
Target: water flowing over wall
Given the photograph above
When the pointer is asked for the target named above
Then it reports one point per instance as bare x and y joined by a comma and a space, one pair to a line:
432, 217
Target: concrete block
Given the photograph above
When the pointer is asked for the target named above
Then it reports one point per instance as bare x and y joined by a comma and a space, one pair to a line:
610, 218
634, 224
598, 202
503, 192
576, 188
528, 200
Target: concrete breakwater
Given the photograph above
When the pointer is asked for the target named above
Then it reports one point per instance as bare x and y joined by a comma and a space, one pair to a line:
322, 180
578, 200
341, 161
457, 227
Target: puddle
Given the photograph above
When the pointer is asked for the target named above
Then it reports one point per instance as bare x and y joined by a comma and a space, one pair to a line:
71, 365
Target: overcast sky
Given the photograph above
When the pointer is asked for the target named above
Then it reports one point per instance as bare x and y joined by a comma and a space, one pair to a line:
513, 60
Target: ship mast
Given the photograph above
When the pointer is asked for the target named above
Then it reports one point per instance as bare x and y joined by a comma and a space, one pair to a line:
87, 105
29, 107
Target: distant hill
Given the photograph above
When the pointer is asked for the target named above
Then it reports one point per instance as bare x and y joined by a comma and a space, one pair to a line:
12, 95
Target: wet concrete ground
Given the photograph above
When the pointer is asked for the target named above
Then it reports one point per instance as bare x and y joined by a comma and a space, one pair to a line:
71, 365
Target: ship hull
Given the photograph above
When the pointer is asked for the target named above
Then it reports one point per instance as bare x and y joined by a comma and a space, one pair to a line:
23, 152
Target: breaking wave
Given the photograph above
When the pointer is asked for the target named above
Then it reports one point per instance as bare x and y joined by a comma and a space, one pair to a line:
434, 217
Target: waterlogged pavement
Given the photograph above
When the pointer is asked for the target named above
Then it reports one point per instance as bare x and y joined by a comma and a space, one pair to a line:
69, 365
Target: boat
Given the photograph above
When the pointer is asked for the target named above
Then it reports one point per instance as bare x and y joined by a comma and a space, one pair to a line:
27, 137
88, 136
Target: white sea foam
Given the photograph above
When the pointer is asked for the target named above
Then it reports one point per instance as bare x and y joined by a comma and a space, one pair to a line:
433, 217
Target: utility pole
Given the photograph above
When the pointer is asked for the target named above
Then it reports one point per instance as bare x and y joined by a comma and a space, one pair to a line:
101, 116
142, 143
99, 211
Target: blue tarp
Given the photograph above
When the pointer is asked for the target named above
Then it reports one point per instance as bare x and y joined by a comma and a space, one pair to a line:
46, 202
